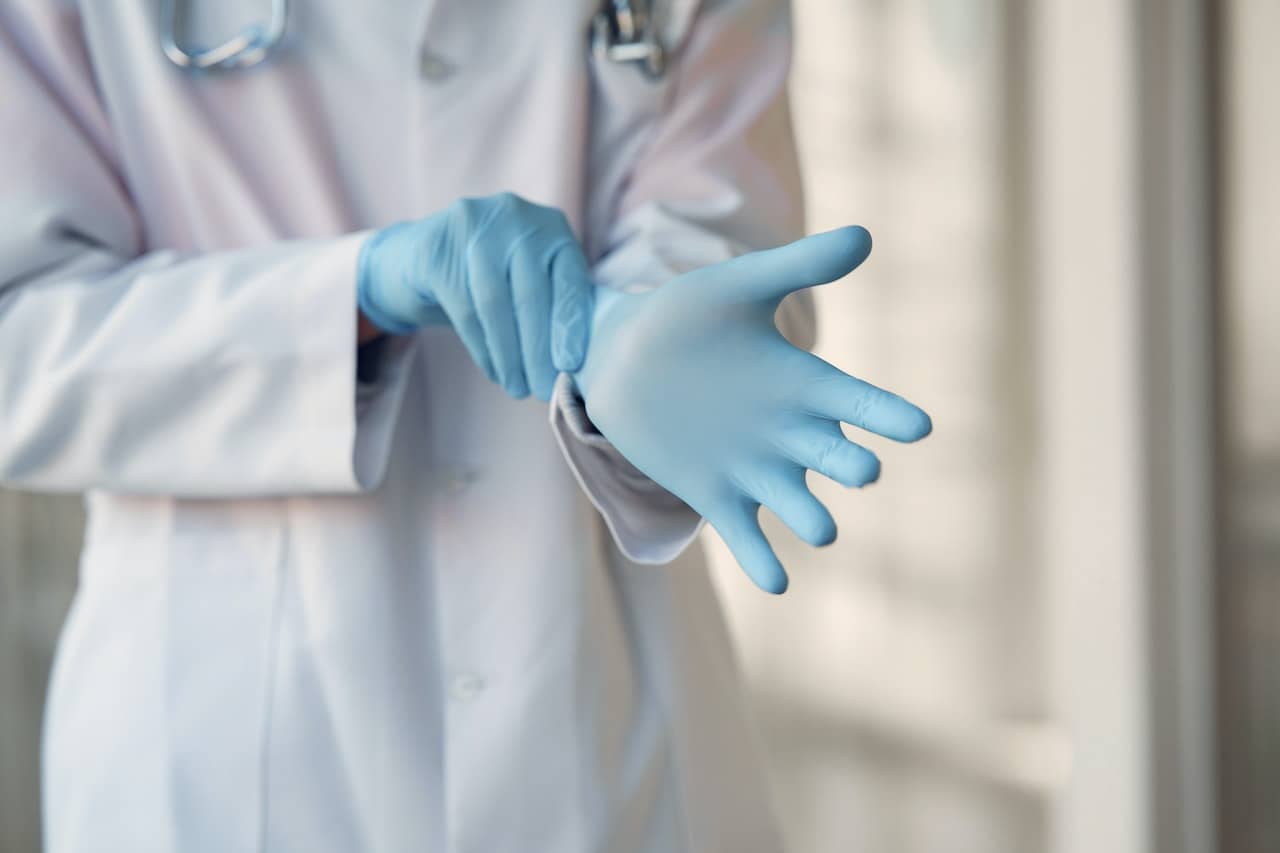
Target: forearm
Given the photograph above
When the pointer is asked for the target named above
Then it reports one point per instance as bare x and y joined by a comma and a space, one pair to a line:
225, 374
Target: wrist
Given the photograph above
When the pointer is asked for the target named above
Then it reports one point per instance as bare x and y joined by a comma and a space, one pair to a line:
383, 273
366, 331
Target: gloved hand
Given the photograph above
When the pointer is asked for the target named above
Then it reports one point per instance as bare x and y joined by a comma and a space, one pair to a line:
507, 274
696, 387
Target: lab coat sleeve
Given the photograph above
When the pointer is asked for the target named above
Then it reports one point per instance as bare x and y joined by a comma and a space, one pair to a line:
711, 174
229, 373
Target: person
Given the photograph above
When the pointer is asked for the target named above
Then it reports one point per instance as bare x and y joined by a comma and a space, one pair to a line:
342, 588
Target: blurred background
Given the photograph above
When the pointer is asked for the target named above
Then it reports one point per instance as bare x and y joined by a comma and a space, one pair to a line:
1054, 626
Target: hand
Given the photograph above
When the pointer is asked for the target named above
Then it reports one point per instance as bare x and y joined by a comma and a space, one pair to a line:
696, 387
507, 274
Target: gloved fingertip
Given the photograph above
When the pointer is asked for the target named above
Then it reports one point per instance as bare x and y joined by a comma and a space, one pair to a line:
856, 246
568, 350
859, 239
568, 362
925, 426
825, 534
775, 584
868, 476
516, 387
914, 425
560, 358
539, 385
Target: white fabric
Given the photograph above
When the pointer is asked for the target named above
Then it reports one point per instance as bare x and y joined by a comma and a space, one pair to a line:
316, 617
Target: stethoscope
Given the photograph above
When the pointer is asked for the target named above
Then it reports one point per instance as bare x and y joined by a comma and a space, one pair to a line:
622, 31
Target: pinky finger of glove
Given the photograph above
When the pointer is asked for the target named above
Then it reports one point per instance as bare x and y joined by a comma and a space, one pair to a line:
740, 530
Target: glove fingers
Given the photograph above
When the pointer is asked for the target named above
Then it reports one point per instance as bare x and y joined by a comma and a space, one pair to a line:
823, 448
532, 295
740, 530
491, 294
841, 397
790, 499
571, 311
457, 305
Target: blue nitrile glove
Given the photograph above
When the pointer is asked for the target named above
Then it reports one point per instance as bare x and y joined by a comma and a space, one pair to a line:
507, 274
697, 388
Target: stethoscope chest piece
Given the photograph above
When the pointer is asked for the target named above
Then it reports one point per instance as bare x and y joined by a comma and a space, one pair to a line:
248, 48
624, 31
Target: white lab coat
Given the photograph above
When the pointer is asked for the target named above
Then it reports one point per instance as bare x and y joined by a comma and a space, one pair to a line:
321, 614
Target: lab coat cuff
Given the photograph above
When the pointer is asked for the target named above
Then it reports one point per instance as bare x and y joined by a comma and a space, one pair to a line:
377, 408
349, 420
648, 523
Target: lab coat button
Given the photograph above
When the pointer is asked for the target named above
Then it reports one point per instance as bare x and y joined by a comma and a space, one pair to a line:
466, 686
434, 67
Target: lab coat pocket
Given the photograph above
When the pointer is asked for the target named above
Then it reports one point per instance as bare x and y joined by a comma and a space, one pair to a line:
222, 622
